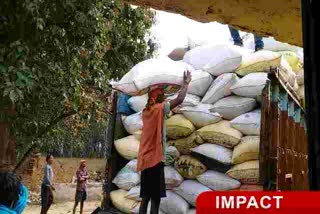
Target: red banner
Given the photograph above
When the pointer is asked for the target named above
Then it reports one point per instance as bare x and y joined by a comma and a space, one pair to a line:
258, 202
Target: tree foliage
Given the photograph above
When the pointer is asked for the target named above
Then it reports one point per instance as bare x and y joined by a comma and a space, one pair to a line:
56, 58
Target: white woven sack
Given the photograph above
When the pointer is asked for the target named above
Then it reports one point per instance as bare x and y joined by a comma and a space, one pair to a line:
189, 100
190, 190
217, 59
200, 83
161, 71
272, 45
234, 106
125, 205
250, 85
126, 179
174, 204
200, 115
128, 147
132, 123
215, 152
132, 165
248, 123
218, 181
220, 88
172, 177
138, 103
134, 193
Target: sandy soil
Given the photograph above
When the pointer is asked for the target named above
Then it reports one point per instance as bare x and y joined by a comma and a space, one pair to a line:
64, 208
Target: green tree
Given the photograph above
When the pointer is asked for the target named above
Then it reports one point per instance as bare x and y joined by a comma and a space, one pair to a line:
56, 58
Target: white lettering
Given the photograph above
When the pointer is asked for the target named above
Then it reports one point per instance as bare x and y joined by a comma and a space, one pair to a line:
252, 202
241, 200
278, 200
217, 202
263, 204
227, 204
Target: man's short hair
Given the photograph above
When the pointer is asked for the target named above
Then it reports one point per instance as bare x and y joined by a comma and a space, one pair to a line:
9, 188
48, 157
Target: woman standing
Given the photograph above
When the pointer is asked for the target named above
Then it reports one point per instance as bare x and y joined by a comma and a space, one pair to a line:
153, 144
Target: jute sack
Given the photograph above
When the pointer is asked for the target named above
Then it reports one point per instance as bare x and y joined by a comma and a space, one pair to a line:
250, 85
172, 154
293, 60
174, 204
126, 179
200, 83
150, 74
184, 145
246, 173
258, 62
220, 133
200, 115
172, 177
119, 200
220, 88
189, 167
178, 126
138, 103
218, 181
234, 106
247, 149
190, 190
132, 123
134, 193
300, 77
128, 147
248, 123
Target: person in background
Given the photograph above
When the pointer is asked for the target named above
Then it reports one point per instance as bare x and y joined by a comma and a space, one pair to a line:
13, 194
81, 193
47, 186
152, 146
238, 41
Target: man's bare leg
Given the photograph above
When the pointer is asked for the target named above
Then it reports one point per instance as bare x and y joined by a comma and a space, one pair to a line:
75, 207
81, 206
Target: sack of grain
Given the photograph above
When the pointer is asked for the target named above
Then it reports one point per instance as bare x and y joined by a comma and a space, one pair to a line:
128, 147
177, 54
172, 177
246, 173
189, 167
132, 165
250, 85
200, 115
213, 156
220, 133
172, 154
259, 61
190, 190
126, 179
286, 75
150, 74
293, 60
217, 59
248, 123
220, 88
300, 77
234, 106
174, 204
200, 83
134, 193
138, 103
184, 145
272, 45
190, 100
137, 134
119, 200
218, 181
300, 92
132, 123
246, 150
178, 126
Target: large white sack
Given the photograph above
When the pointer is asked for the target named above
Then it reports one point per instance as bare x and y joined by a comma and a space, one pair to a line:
218, 181
200, 83
173, 204
132, 165
250, 85
150, 73
132, 123
128, 147
234, 106
271, 44
125, 205
138, 103
126, 179
190, 190
189, 100
220, 88
248, 123
215, 152
172, 177
217, 59
134, 193
200, 115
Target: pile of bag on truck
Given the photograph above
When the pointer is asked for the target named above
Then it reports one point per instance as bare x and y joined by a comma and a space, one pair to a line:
213, 136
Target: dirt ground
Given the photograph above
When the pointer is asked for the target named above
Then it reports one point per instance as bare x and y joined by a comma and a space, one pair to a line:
64, 208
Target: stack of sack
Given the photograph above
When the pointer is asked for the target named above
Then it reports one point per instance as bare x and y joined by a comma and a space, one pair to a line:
213, 136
